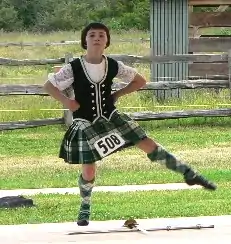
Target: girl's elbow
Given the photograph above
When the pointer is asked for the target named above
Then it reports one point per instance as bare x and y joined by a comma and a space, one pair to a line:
142, 81
47, 86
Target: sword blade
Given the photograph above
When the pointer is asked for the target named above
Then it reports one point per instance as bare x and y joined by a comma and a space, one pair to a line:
142, 230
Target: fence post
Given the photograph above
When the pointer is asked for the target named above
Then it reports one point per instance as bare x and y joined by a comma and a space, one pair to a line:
229, 64
67, 115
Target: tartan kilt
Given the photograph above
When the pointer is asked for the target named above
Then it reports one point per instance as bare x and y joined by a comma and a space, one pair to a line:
77, 146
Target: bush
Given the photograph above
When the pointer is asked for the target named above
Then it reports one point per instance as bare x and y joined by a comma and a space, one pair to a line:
9, 19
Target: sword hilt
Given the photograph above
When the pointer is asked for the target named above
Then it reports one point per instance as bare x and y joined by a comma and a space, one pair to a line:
130, 223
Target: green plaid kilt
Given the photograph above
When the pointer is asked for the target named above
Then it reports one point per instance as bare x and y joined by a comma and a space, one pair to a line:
77, 146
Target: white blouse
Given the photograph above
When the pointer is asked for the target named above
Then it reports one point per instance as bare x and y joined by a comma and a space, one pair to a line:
64, 77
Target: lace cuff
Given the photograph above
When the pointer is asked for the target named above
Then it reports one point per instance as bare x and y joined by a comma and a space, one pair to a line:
63, 78
126, 73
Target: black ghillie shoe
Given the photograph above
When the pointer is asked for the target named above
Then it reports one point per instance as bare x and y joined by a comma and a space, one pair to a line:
200, 180
83, 222
84, 214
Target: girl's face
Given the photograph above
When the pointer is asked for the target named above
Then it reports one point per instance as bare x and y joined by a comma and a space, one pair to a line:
96, 39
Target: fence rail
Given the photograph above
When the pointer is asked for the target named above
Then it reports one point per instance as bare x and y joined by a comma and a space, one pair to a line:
213, 64
63, 43
195, 58
210, 44
201, 44
137, 116
210, 19
30, 124
208, 2
6, 90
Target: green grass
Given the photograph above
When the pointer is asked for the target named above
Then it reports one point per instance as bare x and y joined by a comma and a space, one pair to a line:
29, 158
59, 179
45, 141
108, 206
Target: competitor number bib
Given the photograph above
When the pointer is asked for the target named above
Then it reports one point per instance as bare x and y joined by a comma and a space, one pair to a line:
109, 144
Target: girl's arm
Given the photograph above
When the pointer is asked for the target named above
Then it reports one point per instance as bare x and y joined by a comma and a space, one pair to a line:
59, 96
58, 82
137, 83
132, 77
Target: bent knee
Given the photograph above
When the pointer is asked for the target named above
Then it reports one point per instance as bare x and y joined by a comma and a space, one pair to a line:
88, 171
147, 145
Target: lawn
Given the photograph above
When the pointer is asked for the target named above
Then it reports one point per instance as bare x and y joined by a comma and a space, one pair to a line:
29, 158
140, 205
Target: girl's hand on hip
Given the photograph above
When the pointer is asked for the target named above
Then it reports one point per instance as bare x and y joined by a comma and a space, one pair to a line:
71, 105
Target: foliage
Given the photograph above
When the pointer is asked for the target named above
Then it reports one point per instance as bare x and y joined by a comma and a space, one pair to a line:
9, 18
49, 15
52, 15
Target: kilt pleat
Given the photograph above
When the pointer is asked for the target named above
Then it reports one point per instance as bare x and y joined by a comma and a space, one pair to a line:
77, 146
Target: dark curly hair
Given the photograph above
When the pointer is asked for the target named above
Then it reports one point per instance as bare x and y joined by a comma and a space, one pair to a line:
96, 26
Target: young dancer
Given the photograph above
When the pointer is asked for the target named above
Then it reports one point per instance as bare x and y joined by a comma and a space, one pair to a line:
98, 129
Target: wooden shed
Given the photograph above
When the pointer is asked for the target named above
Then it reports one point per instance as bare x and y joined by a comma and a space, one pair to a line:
170, 34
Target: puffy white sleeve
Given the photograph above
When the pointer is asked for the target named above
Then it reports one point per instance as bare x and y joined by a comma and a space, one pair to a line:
125, 73
63, 78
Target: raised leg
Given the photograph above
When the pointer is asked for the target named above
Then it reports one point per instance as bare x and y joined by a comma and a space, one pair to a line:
156, 152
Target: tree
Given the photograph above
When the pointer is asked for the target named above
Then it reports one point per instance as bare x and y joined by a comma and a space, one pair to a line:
9, 19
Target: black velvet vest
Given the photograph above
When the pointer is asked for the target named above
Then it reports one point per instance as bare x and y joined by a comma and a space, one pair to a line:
95, 99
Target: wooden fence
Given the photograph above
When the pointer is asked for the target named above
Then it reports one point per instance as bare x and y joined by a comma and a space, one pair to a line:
205, 70
222, 81
213, 65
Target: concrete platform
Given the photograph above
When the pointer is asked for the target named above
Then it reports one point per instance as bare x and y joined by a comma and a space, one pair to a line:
124, 188
66, 232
